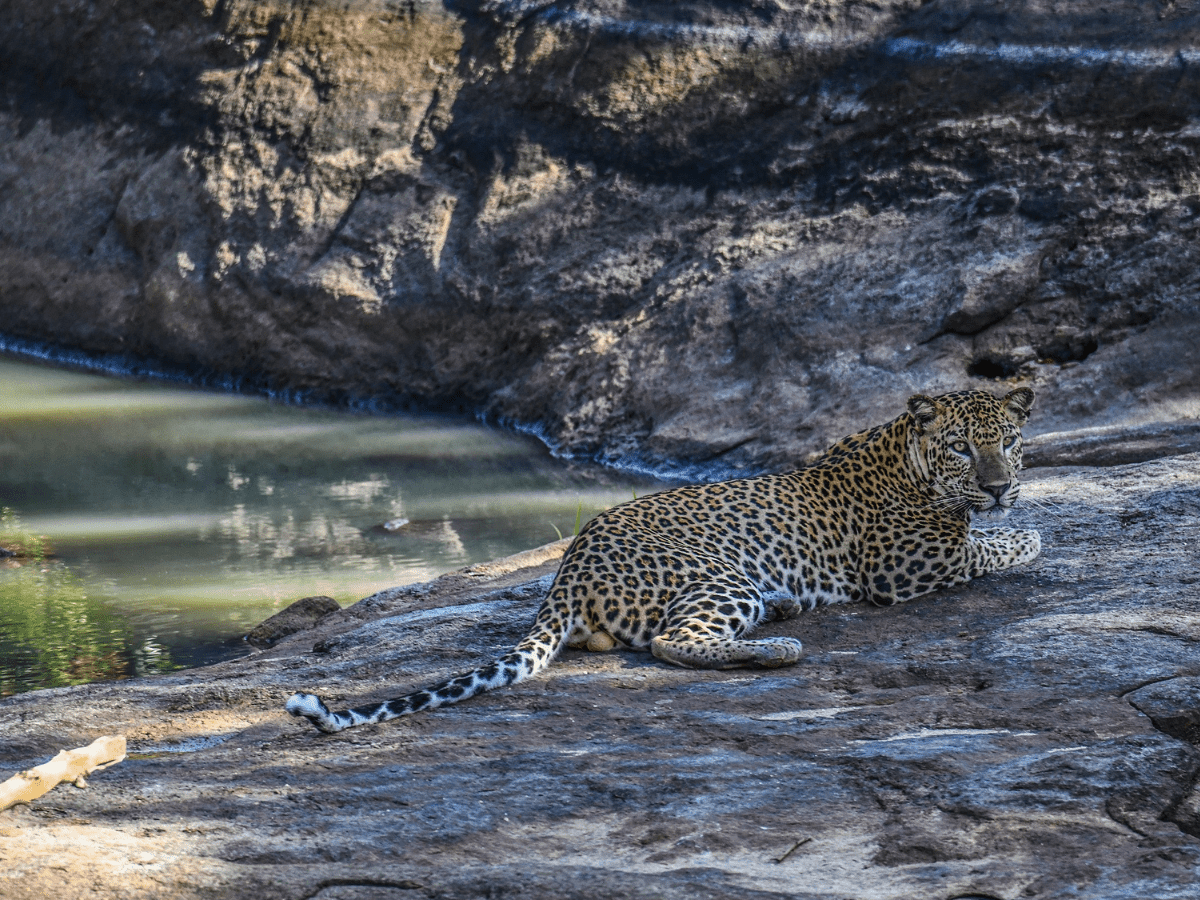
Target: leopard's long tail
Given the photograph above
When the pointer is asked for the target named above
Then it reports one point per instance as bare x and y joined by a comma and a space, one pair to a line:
539, 648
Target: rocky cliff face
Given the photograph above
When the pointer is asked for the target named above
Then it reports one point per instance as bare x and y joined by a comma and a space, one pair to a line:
669, 233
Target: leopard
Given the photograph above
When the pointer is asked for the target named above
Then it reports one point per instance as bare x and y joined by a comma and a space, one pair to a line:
884, 515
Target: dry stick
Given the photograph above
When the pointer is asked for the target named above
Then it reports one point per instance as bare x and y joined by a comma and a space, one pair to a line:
68, 765
796, 846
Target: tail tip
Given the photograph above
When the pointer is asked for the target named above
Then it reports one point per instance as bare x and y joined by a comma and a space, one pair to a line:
311, 707
306, 705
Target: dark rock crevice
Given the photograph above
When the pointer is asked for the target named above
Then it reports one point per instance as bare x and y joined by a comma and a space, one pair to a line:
1173, 705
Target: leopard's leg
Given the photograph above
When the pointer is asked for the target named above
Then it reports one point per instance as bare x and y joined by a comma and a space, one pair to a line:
705, 624
983, 552
996, 549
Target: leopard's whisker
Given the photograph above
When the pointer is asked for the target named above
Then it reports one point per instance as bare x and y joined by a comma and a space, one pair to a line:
1043, 507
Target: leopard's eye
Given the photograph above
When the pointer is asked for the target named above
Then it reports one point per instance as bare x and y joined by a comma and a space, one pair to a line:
960, 446
1010, 442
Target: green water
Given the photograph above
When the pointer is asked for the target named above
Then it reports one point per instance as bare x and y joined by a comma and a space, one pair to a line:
178, 519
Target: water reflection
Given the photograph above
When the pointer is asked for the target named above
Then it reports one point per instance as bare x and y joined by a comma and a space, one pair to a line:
189, 517
53, 634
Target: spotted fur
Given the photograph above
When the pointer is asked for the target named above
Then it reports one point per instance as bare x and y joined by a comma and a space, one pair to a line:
884, 515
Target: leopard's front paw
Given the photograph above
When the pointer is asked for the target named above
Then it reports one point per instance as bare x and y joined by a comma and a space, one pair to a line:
1029, 545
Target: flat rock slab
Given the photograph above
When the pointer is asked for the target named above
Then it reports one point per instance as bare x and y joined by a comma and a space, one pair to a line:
1029, 735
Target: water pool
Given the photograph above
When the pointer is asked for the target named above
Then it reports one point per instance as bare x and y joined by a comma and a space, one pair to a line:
180, 518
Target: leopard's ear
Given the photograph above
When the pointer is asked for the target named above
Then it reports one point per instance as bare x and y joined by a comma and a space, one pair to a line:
924, 411
1017, 404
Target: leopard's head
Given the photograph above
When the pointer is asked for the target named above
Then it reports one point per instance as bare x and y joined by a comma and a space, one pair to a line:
968, 448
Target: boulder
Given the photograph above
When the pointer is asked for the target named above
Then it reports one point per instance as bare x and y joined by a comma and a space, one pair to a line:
689, 236
1032, 734
301, 615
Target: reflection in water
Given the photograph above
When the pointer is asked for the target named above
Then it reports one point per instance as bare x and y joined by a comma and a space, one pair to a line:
52, 634
188, 517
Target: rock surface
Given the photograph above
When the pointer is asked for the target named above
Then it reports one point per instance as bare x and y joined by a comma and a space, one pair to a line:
689, 235
1033, 734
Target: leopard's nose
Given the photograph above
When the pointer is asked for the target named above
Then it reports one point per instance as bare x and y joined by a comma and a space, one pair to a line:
997, 490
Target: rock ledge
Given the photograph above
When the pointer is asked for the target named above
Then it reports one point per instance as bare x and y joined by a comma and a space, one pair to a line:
1032, 734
